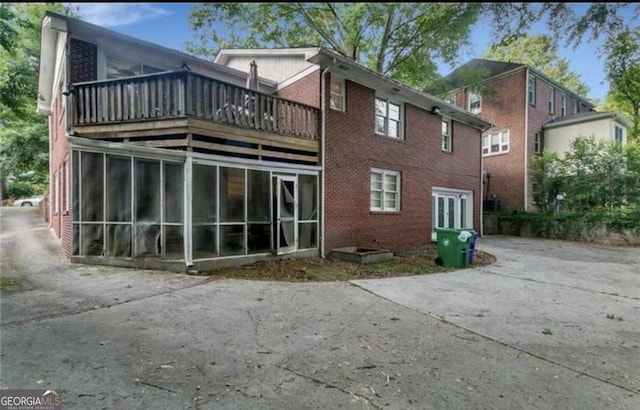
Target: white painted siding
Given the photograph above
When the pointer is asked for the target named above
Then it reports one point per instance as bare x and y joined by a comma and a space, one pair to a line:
558, 139
275, 67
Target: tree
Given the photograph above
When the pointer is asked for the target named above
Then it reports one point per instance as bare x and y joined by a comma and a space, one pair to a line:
544, 176
23, 132
400, 40
623, 72
540, 52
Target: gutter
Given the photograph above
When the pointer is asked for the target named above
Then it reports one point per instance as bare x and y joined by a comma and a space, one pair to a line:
526, 141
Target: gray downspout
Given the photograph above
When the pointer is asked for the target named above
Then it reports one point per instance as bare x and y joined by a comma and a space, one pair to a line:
323, 100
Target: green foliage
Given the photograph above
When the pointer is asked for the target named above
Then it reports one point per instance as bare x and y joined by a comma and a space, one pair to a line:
623, 72
23, 132
20, 189
540, 52
400, 40
546, 183
593, 174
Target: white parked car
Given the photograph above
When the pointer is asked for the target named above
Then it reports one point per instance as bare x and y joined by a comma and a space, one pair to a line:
27, 202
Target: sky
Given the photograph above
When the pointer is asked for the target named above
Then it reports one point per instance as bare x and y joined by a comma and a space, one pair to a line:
167, 24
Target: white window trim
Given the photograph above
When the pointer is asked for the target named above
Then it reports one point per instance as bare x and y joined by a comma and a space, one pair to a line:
473, 94
448, 147
67, 183
56, 192
551, 96
386, 122
531, 90
563, 106
489, 136
537, 143
342, 107
384, 173
615, 134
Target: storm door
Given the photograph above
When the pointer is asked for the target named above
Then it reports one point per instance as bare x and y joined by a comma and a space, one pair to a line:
285, 214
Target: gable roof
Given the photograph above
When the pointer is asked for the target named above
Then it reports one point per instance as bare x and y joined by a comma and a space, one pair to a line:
496, 68
493, 68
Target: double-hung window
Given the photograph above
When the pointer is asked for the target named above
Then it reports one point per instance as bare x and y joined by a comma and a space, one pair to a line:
475, 102
336, 100
551, 99
385, 190
531, 90
537, 143
388, 118
618, 135
563, 107
495, 143
447, 136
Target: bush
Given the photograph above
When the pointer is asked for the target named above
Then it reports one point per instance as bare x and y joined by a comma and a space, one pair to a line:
20, 189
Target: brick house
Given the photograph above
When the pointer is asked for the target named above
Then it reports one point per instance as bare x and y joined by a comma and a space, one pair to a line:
530, 112
160, 159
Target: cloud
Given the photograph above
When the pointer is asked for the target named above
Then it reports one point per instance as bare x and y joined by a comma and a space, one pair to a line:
119, 14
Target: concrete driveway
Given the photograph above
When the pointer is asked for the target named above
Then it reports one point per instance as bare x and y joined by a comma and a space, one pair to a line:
550, 325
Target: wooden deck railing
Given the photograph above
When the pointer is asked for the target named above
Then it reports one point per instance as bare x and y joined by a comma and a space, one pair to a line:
175, 94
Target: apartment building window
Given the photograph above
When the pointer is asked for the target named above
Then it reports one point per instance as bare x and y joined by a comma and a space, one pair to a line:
531, 90
619, 133
475, 102
388, 118
447, 136
451, 98
551, 100
336, 100
385, 190
537, 143
563, 105
495, 143
575, 106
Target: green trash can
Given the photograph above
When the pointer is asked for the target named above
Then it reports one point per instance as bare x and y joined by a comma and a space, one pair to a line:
452, 252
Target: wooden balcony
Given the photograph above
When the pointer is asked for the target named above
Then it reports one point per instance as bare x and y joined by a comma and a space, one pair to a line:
183, 110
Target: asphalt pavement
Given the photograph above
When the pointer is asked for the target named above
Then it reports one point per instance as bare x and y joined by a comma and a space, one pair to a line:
549, 325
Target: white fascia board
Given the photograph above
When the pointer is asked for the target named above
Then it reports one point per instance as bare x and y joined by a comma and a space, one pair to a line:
52, 27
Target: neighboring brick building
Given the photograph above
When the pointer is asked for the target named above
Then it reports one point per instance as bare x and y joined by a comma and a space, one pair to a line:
159, 159
522, 102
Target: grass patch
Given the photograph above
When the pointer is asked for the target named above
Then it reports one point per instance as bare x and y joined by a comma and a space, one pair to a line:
419, 261
6, 284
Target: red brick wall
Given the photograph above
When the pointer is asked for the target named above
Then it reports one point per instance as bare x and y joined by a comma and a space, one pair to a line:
305, 91
59, 150
506, 109
353, 148
83, 61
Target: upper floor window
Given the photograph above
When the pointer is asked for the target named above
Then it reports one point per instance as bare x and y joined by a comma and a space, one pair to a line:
551, 99
336, 100
447, 136
451, 98
475, 102
495, 143
385, 190
563, 105
388, 118
575, 106
619, 135
531, 90
118, 67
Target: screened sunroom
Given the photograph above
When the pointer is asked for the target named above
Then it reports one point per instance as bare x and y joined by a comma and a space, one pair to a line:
149, 207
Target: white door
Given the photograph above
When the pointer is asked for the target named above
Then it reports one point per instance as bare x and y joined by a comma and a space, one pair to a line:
286, 214
451, 209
